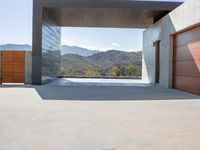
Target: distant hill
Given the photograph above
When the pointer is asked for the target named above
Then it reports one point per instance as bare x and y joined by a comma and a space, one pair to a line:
77, 61
16, 47
102, 63
116, 57
65, 49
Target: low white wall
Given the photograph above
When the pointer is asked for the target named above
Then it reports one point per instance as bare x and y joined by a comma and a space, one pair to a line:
186, 15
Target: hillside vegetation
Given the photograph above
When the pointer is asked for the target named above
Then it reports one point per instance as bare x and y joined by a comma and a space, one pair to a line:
112, 63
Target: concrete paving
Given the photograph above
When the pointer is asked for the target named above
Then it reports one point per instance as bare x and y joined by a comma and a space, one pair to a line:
52, 117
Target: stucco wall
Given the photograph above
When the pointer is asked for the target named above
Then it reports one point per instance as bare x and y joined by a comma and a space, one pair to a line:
181, 18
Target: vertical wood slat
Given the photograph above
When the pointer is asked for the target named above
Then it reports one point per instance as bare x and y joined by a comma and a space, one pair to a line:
13, 66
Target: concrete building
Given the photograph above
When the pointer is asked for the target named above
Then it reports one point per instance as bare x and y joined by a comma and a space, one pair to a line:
171, 39
50, 15
172, 49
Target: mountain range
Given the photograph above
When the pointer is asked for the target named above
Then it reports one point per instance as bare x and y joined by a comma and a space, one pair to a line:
25, 47
65, 49
100, 64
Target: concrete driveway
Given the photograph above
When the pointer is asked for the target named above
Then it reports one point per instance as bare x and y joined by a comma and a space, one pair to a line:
106, 118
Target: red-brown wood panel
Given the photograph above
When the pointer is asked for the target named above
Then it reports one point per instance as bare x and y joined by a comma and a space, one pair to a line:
187, 53
186, 37
13, 66
187, 68
186, 83
7, 77
186, 63
18, 77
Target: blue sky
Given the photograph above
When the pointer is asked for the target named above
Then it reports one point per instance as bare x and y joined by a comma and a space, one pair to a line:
16, 27
103, 38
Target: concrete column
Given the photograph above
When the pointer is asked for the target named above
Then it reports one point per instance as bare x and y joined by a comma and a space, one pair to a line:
37, 43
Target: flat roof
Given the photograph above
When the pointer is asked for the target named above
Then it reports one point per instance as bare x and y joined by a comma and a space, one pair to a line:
134, 4
107, 13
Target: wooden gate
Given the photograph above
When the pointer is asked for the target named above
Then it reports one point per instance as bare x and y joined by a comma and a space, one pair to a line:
12, 66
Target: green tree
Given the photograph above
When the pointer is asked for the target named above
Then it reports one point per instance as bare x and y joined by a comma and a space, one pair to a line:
113, 71
68, 71
91, 73
125, 70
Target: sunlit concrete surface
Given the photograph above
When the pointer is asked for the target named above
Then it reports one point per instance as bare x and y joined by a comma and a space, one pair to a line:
52, 117
99, 82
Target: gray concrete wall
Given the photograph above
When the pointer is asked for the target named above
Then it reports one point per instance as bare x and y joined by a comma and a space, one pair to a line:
183, 17
28, 67
37, 43
148, 66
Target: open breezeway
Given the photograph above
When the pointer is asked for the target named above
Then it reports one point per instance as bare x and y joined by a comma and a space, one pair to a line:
98, 118
49, 16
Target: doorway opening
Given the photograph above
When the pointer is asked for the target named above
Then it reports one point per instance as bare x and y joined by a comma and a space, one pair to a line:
157, 61
113, 53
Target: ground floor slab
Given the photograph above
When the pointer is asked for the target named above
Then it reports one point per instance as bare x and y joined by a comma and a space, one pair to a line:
98, 118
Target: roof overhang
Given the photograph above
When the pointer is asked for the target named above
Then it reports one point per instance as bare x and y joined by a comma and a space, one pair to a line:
107, 13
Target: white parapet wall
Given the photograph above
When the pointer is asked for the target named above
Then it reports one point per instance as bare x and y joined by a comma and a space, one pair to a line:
183, 17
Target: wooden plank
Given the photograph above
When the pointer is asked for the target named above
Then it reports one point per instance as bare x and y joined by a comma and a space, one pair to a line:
189, 84
7, 67
18, 54
18, 68
190, 36
186, 63
7, 77
189, 52
18, 77
13, 67
6, 57
187, 68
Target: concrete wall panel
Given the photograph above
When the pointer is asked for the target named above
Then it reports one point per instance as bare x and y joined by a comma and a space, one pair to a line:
149, 52
181, 18
28, 67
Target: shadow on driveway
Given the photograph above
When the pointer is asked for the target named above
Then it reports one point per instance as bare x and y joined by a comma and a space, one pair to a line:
100, 93
107, 93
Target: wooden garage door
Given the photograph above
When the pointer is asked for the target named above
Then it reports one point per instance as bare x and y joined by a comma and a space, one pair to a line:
13, 66
186, 65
